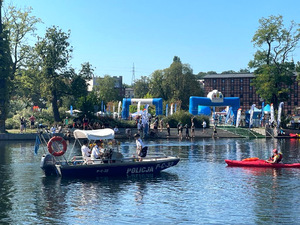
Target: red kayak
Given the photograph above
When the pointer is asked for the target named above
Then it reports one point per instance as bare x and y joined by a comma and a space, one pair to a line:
293, 135
260, 163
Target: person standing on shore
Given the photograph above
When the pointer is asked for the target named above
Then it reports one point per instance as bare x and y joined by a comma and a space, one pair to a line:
66, 122
161, 125
32, 121
187, 135
204, 126
193, 130
180, 131
22, 124
85, 122
168, 129
215, 133
178, 127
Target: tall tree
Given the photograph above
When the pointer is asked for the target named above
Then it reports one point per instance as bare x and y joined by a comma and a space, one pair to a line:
5, 73
159, 85
54, 51
79, 85
106, 89
273, 70
20, 24
141, 87
175, 83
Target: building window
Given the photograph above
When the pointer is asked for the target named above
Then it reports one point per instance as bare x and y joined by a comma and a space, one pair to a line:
241, 95
214, 81
241, 80
223, 80
232, 80
289, 103
295, 103
223, 89
250, 88
241, 88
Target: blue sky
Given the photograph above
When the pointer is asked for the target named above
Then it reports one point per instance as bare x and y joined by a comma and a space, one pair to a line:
115, 34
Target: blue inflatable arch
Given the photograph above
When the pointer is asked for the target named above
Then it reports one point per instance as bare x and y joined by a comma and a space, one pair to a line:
151, 101
234, 102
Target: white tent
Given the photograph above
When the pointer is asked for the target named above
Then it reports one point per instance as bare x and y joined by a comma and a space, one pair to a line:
74, 111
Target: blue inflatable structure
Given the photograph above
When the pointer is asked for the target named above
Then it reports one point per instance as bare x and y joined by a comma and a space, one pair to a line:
234, 102
204, 110
157, 102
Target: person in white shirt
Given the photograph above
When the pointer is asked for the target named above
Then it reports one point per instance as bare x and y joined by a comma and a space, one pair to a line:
85, 151
141, 150
116, 130
97, 151
204, 126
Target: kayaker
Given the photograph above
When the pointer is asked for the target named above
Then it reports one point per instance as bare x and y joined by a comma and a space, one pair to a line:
141, 150
275, 158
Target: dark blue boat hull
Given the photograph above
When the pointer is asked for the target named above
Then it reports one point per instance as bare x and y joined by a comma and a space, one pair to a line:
112, 169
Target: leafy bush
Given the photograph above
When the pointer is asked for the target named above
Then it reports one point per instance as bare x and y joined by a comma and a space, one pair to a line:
186, 118
12, 123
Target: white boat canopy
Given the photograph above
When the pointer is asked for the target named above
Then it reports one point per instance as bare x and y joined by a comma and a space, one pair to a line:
106, 133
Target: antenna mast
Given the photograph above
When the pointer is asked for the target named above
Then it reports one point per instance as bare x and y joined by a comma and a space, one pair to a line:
133, 75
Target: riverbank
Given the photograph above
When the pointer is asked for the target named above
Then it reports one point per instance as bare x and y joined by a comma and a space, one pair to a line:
124, 135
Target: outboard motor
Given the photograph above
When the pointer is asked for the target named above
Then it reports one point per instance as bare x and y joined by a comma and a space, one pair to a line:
48, 165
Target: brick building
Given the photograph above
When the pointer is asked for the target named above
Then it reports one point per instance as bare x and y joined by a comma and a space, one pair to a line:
238, 85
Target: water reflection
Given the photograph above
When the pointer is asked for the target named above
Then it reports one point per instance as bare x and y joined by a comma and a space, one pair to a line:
6, 185
200, 189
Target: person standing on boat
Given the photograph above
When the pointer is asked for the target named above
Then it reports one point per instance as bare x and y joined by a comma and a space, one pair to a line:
275, 158
141, 150
97, 151
85, 151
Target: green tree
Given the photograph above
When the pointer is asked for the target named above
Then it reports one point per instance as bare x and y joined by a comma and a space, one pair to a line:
20, 24
211, 72
141, 87
79, 85
54, 51
5, 73
159, 85
244, 71
273, 72
228, 72
175, 83
106, 89
27, 81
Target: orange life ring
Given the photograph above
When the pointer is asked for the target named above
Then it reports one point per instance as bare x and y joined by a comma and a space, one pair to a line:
57, 139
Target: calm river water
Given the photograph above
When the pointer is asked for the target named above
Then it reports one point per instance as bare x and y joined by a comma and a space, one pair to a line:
201, 189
